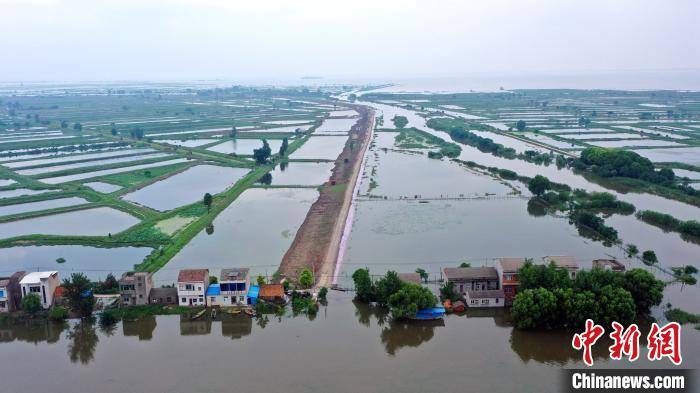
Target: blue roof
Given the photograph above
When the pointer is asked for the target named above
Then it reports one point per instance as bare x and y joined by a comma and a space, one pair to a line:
213, 290
253, 291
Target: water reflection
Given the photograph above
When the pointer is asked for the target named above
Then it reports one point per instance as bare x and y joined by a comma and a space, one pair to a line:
400, 334
237, 327
32, 332
143, 328
189, 327
83, 341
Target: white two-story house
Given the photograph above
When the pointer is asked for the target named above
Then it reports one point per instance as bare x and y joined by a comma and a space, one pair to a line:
192, 287
43, 284
234, 284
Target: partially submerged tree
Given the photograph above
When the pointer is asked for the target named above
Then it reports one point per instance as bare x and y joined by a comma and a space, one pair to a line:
409, 299
78, 291
31, 303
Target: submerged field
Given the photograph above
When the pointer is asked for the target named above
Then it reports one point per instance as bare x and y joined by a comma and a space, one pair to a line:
110, 181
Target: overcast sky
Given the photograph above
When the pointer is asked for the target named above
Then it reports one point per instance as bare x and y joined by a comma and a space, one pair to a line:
256, 39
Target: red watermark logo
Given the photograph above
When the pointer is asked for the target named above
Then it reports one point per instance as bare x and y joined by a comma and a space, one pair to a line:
662, 342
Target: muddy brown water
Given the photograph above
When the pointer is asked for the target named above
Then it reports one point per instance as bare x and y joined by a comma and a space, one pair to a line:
347, 347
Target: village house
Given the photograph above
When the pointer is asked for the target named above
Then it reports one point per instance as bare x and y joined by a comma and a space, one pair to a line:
479, 285
608, 264
507, 269
273, 293
563, 261
163, 296
234, 284
134, 288
43, 284
10, 293
192, 287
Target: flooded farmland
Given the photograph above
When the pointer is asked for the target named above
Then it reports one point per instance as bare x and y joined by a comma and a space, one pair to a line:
99, 221
186, 187
254, 231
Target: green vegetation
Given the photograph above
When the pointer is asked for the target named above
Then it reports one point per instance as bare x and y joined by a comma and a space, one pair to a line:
58, 313
413, 138
78, 292
404, 299
31, 304
549, 298
262, 154
400, 121
306, 279
681, 316
690, 228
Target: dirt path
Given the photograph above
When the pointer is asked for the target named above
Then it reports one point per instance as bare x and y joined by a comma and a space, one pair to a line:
317, 241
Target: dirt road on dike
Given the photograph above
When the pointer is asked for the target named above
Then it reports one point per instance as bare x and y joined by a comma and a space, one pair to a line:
317, 241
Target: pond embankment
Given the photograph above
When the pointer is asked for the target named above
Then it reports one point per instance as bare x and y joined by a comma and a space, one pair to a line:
318, 239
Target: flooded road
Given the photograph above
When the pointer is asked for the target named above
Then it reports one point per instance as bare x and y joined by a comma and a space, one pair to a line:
347, 347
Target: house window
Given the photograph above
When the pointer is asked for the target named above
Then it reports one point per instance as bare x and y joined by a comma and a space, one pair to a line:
184, 300
2, 293
169, 299
140, 296
189, 287
212, 299
474, 301
241, 299
484, 301
3, 304
496, 300
35, 289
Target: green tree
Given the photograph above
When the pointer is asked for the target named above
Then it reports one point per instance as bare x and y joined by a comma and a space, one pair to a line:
538, 185
520, 125
208, 199
645, 289
234, 133
58, 313
364, 287
423, 274
387, 286
409, 299
447, 292
533, 308
284, 147
78, 292
649, 257
306, 278
550, 276
78, 127
400, 121
465, 264
261, 280
322, 294
617, 305
31, 303
632, 250
213, 280
262, 154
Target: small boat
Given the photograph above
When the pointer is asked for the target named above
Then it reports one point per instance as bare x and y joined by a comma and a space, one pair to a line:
233, 311
429, 313
199, 314
249, 312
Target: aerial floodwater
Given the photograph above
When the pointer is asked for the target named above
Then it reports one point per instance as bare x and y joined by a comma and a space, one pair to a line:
311, 197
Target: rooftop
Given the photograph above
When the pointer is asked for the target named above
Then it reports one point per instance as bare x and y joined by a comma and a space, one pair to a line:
410, 277
271, 290
470, 273
159, 292
234, 274
511, 265
214, 290
131, 276
561, 261
37, 277
192, 275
